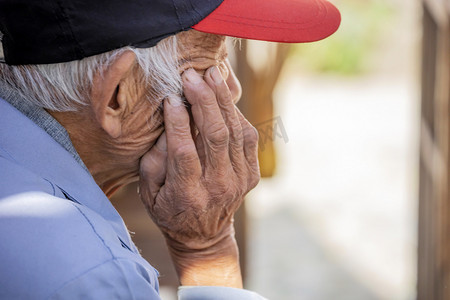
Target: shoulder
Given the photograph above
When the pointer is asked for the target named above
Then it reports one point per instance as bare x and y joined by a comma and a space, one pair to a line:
114, 279
45, 241
52, 245
17, 179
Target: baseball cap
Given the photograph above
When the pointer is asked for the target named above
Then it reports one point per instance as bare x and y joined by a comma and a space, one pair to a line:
53, 31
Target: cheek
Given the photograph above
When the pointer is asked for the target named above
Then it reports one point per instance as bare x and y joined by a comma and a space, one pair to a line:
144, 125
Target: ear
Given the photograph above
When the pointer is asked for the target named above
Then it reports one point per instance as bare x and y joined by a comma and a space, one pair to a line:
108, 96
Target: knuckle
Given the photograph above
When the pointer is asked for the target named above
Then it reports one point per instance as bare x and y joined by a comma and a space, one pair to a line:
238, 133
205, 94
218, 135
223, 189
184, 173
185, 153
225, 96
185, 162
180, 129
251, 134
199, 94
254, 180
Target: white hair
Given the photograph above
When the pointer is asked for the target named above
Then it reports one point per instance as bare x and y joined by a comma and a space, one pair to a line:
66, 86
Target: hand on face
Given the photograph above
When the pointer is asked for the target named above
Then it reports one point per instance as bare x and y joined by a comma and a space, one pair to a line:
193, 186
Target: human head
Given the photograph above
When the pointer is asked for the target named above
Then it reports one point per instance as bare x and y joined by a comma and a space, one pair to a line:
52, 31
92, 33
83, 53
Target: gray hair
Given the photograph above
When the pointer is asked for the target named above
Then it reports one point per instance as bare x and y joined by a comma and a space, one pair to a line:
66, 86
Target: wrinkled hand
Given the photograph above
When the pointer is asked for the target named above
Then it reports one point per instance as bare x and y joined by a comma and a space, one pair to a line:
195, 177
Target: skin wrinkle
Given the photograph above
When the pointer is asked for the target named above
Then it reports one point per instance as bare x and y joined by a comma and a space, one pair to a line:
193, 54
114, 161
187, 186
200, 51
194, 203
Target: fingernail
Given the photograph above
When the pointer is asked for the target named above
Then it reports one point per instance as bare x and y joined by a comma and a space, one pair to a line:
174, 100
161, 144
192, 76
224, 71
215, 74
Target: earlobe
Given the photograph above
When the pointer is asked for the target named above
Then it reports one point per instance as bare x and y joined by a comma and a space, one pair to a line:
108, 96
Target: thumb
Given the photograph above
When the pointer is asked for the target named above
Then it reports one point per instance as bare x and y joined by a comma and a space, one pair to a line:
153, 167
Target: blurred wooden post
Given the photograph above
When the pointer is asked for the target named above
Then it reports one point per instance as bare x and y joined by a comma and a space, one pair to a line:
434, 202
257, 98
256, 105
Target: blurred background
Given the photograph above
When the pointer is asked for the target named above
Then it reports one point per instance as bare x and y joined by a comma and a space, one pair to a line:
336, 215
338, 218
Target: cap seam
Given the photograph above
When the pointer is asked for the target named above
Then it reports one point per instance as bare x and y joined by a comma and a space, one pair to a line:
152, 41
199, 15
178, 15
319, 11
322, 10
270, 27
69, 23
264, 20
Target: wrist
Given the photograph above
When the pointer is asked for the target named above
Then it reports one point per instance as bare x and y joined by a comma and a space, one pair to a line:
214, 265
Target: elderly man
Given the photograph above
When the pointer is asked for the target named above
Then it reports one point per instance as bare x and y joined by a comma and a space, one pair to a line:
97, 94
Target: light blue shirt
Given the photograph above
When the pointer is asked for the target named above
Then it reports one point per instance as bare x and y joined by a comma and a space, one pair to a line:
61, 238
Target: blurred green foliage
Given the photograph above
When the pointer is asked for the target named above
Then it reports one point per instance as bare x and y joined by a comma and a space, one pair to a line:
350, 50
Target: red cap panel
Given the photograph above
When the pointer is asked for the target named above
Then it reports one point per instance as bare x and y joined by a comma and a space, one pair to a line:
288, 21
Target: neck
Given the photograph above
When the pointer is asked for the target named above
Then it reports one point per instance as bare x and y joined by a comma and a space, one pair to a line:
98, 152
111, 175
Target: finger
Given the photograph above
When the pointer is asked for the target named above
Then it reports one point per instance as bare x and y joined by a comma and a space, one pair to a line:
200, 150
233, 83
197, 138
250, 138
153, 166
207, 118
250, 150
224, 98
182, 156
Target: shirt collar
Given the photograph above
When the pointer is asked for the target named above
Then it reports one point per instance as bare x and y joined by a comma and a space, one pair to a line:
43, 119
